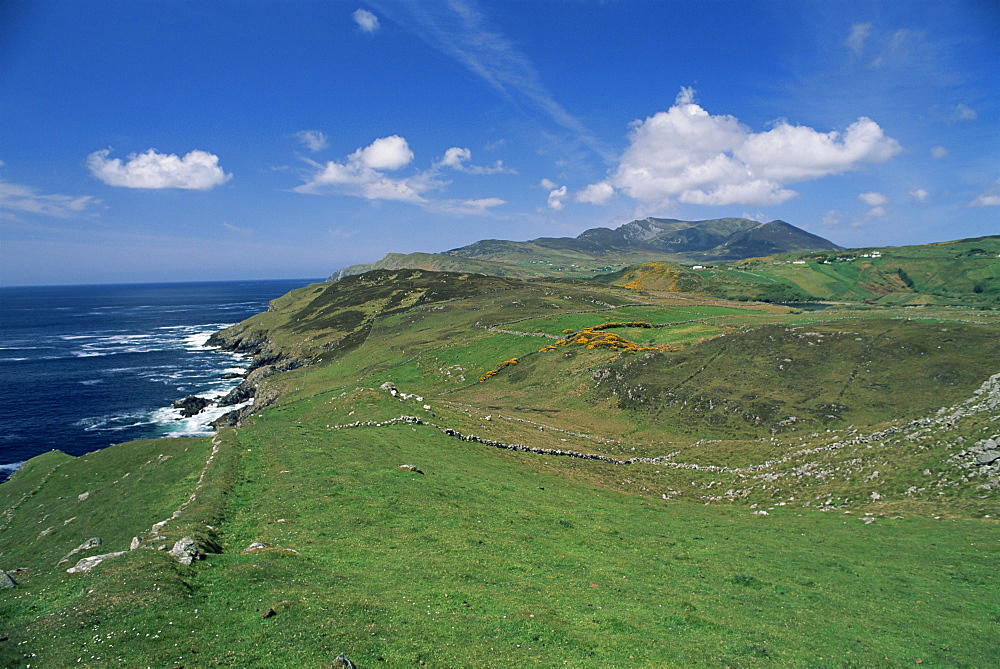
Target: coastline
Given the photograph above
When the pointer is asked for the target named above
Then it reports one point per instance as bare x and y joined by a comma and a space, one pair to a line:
93, 366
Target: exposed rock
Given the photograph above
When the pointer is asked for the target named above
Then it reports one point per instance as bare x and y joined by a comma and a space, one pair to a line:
88, 563
341, 662
192, 405
270, 613
136, 542
82, 496
93, 542
255, 546
232, 375
187, 551
7, 581
389, 387
986, 457
411, 468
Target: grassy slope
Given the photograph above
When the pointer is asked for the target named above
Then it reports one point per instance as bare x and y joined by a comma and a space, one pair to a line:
490, 556
960, 272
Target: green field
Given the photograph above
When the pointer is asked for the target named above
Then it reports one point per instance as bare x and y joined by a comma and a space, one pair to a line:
655, 509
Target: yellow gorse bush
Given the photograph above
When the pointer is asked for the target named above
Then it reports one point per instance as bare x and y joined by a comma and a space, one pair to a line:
493, 372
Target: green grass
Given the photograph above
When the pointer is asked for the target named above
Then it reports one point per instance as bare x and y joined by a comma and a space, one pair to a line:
491, 557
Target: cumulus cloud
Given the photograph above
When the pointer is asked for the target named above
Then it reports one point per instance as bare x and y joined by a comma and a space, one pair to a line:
363, 173
314, 140
856, 39
557, 197
367, 21
599, 193
456, 158
919, 194
16, 197
988, 198
387, 153
699, 158
939, 152
198, 170
547, 184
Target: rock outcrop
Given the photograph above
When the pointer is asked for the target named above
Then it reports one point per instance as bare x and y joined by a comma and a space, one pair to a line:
88, 563
192, 405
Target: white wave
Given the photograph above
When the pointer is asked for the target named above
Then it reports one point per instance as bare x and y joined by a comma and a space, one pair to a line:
199, 425
13, 359
115, 422
92, 382
11, 467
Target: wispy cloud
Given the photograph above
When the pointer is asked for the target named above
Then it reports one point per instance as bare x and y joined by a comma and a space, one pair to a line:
460, 31
314, 140
856, 39
367, 21
20, 198
876, 203
989, 197
457, 158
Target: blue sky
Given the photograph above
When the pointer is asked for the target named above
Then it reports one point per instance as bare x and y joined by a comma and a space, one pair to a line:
170, 141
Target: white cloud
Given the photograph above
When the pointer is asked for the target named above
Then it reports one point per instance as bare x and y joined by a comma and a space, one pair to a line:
367, 21
198, 170
856, 39
689, 154
387, 153
364, 174
456, 159
876, 202
919, 194
361, 173
874, 199
599, 193
988, 198
15, 197
939, 152
484, 203
314, 140
455, 156
556, 198
547, 184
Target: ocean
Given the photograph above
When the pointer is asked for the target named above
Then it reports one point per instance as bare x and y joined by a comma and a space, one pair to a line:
85, 367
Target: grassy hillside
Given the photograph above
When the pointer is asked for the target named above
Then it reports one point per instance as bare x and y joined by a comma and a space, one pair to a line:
959, 272
628, 488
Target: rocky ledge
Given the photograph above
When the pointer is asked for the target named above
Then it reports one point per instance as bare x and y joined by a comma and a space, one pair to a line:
268, 360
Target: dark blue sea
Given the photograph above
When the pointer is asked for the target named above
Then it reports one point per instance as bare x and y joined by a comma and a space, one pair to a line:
84, 367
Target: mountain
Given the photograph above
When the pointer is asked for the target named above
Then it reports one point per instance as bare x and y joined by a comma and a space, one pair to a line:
600, 249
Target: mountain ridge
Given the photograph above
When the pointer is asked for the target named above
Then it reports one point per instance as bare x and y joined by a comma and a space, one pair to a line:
646, 240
